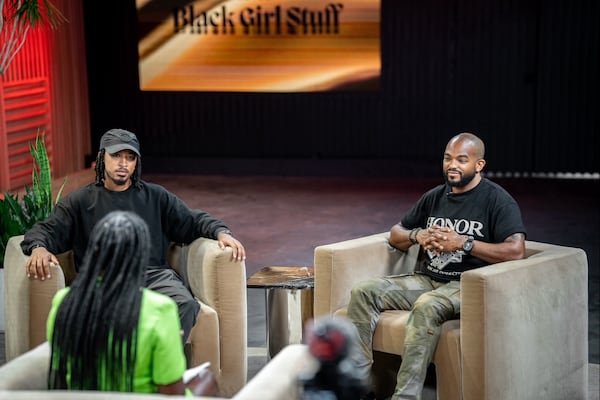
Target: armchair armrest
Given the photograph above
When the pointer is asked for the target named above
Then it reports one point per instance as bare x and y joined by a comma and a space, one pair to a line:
513, 312
339, 266
279, 378
29, 371
219, 282
27, 302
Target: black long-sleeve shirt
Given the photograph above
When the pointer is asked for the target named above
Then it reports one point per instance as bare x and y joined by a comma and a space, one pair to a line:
168, 217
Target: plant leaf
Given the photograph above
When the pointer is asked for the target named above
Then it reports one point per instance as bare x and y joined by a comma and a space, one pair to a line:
16, 217
59, 194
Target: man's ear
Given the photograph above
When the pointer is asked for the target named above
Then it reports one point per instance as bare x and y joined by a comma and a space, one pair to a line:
479, 165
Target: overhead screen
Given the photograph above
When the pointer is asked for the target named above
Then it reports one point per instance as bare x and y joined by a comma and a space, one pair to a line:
259, 45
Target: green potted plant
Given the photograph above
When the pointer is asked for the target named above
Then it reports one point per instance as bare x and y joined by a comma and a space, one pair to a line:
17, 216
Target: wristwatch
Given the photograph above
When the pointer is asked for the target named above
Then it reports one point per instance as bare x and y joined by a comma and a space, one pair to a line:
468, 245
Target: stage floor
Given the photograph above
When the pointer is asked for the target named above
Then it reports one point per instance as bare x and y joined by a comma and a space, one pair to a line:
281, 219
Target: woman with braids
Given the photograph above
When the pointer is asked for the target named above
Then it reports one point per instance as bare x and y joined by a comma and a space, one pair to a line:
107, 332
118, 186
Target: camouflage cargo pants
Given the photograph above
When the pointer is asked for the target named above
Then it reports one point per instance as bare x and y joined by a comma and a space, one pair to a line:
431, 303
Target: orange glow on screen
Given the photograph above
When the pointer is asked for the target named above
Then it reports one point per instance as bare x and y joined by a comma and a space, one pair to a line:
259, 45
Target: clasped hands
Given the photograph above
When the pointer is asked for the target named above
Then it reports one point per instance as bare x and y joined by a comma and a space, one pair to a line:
440, 239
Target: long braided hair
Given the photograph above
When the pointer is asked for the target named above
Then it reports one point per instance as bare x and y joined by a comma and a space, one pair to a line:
94, 340
100, 168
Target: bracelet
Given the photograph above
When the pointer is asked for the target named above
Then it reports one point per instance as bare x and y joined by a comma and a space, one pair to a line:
412, 236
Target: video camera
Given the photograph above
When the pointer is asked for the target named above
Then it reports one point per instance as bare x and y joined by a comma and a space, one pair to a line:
330, 341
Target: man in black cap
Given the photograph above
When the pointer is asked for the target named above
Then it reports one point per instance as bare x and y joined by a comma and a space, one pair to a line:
118, 186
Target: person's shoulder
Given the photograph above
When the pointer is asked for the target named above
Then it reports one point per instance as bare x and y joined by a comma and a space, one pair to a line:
63, 291
494, 187
79, 196
496, 193
157, 192
152, 187
157, 300
84, 190
60, 295
436, 190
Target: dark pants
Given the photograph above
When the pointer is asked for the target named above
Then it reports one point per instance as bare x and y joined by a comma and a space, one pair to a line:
169, 283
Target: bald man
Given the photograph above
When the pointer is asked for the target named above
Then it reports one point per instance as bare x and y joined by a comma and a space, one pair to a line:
465, 223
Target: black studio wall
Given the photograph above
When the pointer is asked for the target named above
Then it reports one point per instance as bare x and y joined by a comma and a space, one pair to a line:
521, 73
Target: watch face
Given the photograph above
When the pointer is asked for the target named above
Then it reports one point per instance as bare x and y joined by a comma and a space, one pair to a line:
468, 245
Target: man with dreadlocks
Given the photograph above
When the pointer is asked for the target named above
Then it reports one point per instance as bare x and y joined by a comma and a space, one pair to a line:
105, 331
118, 186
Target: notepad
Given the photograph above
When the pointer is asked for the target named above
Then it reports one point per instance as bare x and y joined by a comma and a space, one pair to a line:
191, 373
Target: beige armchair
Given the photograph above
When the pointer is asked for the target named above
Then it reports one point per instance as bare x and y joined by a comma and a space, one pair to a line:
522, 332
219, 284
25, 377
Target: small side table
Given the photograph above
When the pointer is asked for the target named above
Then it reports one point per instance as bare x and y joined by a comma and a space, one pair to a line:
288, 303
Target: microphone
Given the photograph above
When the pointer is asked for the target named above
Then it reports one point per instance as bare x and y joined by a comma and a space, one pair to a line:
330, 342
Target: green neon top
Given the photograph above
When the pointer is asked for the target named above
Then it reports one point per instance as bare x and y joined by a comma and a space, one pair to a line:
160, 358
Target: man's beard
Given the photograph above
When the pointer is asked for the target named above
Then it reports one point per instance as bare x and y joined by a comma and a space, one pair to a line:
465, 179
118, 181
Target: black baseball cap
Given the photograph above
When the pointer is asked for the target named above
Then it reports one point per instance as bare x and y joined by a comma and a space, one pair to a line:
116, 140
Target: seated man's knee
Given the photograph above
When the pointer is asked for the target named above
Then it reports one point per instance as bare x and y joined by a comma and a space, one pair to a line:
188, 311
189, 308
364, 289
434, 307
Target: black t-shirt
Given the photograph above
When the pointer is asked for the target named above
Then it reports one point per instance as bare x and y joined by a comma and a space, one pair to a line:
169, 219
487, 212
